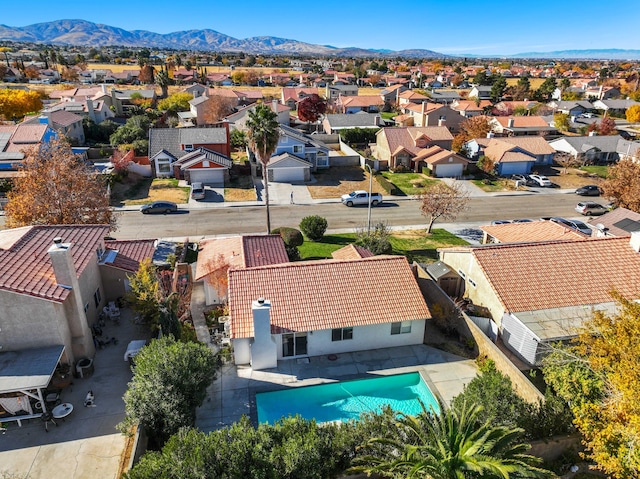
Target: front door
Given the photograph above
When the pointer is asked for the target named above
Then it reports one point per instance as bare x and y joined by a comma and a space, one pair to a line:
294, 344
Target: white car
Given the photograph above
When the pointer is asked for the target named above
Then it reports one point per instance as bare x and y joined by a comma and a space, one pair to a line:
541, 180
361, 197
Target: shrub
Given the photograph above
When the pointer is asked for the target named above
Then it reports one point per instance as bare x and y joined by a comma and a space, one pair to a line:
313, 227
293, 253
389, 187
290, 236
400, 169
377, 240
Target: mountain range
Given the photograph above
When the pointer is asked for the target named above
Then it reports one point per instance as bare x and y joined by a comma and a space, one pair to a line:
82, 32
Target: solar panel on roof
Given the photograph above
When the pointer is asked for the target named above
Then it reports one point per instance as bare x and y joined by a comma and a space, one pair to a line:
628, 225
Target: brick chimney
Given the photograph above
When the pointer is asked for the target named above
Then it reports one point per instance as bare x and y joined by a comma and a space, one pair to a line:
634, 241
62, 262
91, 112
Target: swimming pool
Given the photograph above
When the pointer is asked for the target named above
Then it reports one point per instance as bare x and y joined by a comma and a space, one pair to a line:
346, 400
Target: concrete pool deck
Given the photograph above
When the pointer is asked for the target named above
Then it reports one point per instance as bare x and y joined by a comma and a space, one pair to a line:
232, 394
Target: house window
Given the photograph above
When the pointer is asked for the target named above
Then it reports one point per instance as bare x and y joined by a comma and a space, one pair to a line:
86, 307
188, 147
97, 297
341, 334
401, 327
297, 148
164, 167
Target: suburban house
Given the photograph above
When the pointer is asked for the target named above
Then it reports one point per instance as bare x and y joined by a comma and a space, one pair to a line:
333, 123
291, 96
124, 100
444, 97
602, 92
355, 104
65, 123
218, 255
410, 96
480, 91
511, 154
614, 107
520, 126
619, 222
401, 146
591, 148
296, 156
441, 163
238, 120
470, 108
167, 145
571, 108
529, 232
391, 93
334, 91
531, 305
430, 114
204, 166
312, 308
54, 282
628, 150
237, 97
15, 140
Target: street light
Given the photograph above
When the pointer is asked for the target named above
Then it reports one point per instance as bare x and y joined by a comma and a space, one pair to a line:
369, 203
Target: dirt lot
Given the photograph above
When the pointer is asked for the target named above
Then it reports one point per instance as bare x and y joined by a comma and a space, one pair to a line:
337, 181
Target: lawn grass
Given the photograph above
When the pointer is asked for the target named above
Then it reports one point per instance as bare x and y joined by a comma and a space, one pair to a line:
141, 191
240, 188
602, 171
388, 115
416, 245
406, 182
499, 184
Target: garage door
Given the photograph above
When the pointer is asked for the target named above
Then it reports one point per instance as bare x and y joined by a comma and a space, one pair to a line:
210, 177
515, 168
288, 175
449, 171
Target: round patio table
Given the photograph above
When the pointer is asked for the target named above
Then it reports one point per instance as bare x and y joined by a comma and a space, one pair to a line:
62, 410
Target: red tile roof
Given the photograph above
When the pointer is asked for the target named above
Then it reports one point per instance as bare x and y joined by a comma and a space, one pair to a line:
546, 275
241, 252
351, 251
25, 267
531, 232
130, 253
317, 295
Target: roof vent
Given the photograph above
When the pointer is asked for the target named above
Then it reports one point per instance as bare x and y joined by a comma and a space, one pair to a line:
260, 301
57, 240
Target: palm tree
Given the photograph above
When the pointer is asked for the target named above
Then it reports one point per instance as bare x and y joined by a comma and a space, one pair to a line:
262, 137
449, 445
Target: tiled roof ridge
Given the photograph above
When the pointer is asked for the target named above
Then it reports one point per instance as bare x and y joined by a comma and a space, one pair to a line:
537, 243
328, 261
29, 234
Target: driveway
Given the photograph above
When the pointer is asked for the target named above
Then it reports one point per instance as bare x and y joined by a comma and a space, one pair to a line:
86, 443
213, 194
280, 193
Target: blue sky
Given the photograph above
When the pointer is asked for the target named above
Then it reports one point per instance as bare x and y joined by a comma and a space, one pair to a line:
480, 27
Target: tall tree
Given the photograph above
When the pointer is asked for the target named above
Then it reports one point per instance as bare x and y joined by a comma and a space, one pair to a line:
144, 293
57, 187
623, 184
450, 445
262, 136
169, 381
474, 127
443, 201
599, 376
14, 104
498, 88
311, 109
163, 81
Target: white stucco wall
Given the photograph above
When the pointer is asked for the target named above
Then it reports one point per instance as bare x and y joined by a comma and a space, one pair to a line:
377, 336
242, 351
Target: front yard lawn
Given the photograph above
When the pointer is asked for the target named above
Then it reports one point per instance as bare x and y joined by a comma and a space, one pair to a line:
240, 188
416, 245
136, 190
601, 170
495, 184
409, 183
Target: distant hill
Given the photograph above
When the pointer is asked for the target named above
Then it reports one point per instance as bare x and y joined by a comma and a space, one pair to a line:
602, 54
82, 32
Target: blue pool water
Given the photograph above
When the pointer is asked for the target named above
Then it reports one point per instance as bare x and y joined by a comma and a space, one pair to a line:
346, 400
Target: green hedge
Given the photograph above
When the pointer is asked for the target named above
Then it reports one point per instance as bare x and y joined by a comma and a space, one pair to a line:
389, 187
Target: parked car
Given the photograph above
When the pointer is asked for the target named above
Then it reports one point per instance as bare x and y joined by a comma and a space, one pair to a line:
197, 191
159, 207
541, 180
591, 208
588, 190
573, 224
524, 180
361, 197
523, 220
